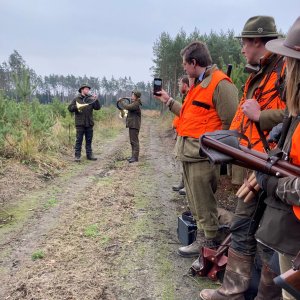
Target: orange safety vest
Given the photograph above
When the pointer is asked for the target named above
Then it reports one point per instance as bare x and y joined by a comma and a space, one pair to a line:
295, 159
268, 96
198, 114
175, 122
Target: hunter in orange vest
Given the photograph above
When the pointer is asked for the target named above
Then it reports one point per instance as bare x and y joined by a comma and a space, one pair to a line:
198, 113
267, 95
280, 225
209, 105
261, 103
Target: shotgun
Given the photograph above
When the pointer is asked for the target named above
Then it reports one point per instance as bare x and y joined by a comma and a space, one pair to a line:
223, 146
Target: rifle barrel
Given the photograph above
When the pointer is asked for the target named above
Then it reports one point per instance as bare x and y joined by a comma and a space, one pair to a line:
248, 159
282, 163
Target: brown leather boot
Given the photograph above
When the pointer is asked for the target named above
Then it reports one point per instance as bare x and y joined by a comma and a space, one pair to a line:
236, 279
191, 250
267, 289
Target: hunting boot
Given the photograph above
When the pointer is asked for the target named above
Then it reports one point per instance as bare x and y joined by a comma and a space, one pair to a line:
133, 159
267, 289
178, 187
182, 192
236, 279
193, 250
196, 265
77, 158
91, 157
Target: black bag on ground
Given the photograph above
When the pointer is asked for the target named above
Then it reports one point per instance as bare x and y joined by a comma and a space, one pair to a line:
187, 228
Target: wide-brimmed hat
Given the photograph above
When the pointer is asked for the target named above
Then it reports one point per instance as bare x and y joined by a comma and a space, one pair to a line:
259, 26
290, 46
137, 93
83, 86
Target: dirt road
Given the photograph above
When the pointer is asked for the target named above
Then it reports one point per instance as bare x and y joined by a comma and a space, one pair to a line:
102, 230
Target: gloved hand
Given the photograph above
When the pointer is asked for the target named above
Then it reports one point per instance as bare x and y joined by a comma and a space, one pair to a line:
275, 133
267, 182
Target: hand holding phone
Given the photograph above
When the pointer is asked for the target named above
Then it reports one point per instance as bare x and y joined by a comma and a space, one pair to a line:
157, 86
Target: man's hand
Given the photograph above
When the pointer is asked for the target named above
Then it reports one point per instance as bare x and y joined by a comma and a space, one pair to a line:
251, 109
163, 96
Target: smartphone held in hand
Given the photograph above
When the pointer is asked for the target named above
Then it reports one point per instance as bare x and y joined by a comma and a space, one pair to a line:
157, 86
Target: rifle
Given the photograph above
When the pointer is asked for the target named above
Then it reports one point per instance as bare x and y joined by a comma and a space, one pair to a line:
290, 280
223, 146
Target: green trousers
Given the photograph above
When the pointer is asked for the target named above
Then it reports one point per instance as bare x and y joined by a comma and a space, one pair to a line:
134, 142
201, 180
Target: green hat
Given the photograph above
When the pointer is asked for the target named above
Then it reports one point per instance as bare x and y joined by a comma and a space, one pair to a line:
259, 26
83, 86
137, 93
290, 46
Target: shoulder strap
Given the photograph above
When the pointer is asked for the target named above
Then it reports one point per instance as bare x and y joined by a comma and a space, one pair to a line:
285, 128
262, 137
277, 67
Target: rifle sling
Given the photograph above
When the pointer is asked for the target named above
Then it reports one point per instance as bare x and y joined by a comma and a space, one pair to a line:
262, 137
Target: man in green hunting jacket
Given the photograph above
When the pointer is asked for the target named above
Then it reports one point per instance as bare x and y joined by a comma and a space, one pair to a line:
84, 120
133, 122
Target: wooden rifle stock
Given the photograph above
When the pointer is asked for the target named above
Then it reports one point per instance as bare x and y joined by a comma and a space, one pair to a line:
252, 159
290, 281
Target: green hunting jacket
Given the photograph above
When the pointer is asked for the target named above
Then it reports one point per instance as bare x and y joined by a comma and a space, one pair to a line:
85, 117
133, 119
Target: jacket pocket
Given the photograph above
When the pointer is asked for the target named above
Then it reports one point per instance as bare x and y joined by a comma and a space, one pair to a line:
191, 148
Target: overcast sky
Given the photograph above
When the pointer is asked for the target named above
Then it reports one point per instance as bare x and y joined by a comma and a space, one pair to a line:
104, 38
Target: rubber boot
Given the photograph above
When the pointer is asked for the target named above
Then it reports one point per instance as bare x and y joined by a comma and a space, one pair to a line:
267, 289
236, 279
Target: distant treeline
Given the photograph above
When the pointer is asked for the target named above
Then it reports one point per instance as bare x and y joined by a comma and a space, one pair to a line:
18, 81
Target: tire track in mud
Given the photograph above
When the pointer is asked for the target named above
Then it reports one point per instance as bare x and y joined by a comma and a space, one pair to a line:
113, 236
